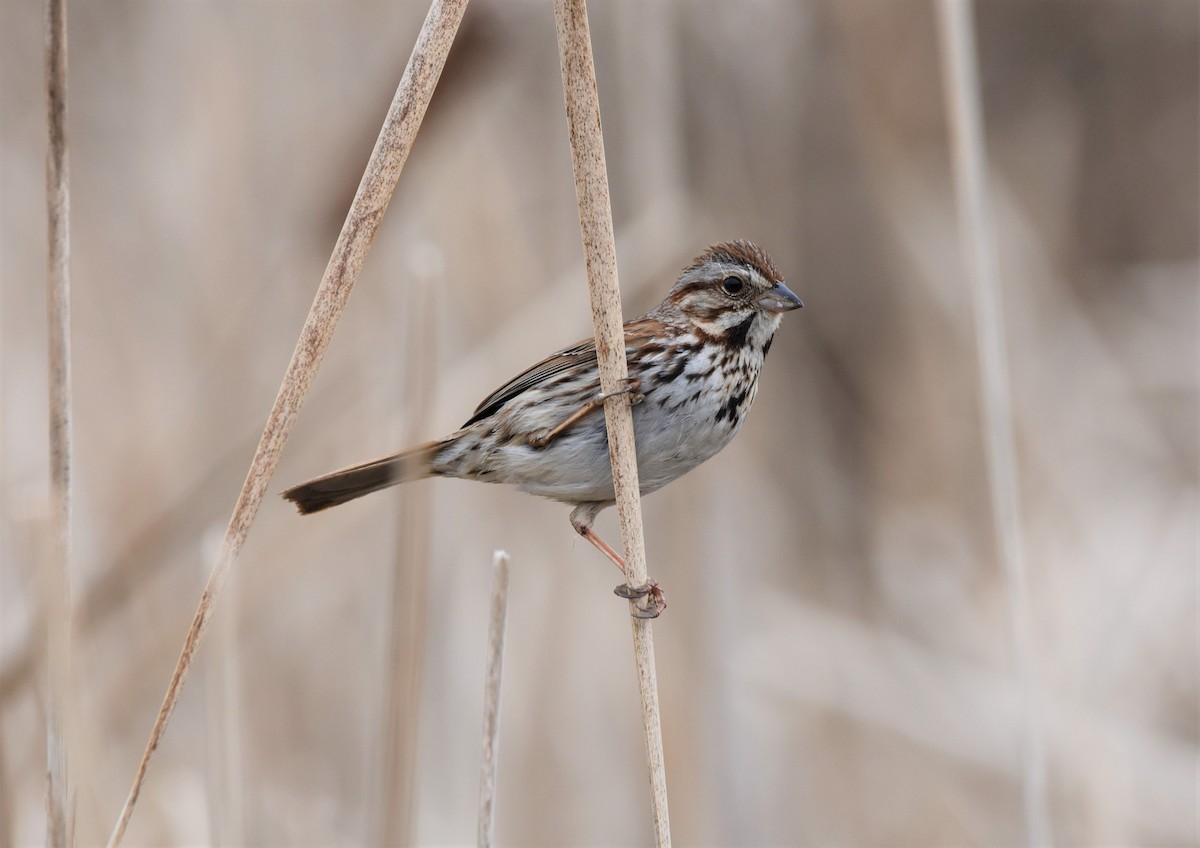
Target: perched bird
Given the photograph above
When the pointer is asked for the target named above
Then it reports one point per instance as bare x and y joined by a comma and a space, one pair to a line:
693, 372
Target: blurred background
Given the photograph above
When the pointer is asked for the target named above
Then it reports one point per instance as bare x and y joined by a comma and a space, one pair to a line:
836, 667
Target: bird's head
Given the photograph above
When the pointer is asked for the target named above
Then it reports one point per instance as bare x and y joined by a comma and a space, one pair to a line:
731, 290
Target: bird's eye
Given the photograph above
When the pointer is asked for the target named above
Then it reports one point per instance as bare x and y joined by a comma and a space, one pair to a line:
732, 285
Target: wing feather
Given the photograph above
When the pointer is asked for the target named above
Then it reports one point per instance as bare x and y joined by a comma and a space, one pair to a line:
580, 355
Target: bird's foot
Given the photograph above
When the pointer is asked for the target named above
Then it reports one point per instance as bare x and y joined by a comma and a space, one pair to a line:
541, 438
632, 384
656, 600
581, 519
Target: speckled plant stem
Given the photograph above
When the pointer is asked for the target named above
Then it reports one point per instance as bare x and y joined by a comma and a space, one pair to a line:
600, 255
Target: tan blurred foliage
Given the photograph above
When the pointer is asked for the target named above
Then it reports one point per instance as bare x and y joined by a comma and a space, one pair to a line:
835, 666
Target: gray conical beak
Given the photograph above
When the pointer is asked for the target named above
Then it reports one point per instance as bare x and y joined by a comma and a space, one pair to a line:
779, 298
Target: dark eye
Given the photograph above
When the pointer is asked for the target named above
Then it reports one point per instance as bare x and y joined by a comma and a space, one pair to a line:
732, 285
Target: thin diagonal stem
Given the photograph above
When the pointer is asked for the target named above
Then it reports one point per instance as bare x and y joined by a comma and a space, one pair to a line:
57, 583
600, 256
362, 222
956, 31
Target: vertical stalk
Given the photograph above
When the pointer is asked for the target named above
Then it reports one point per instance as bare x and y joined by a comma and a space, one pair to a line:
349, 253
956, 32
406, 612
491, 700
600, 257
57, 565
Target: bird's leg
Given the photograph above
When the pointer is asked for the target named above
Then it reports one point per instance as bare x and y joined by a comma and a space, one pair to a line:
581, 519
543, 437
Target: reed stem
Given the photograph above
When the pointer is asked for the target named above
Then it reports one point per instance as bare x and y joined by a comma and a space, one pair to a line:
362, 223
956, 33
600, 258
57, 583
491, 699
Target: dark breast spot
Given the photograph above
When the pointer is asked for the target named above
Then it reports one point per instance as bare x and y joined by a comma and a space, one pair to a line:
732, 408
737, 334
677, 367
690, 400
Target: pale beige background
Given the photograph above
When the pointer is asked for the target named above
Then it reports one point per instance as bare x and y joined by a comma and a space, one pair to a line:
835, 666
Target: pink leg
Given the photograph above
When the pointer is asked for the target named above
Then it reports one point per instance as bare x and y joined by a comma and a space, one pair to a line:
657, 602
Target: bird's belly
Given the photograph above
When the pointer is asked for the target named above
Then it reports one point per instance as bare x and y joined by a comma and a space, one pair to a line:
674, 439
574, 467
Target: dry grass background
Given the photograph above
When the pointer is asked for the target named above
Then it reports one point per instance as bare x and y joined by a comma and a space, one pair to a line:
835, 666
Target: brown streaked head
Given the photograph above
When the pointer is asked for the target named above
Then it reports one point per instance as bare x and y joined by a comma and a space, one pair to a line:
728, 285
743, 252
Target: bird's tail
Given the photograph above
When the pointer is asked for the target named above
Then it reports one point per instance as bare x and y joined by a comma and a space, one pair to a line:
338, 487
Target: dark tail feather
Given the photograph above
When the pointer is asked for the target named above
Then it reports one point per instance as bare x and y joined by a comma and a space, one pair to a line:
358, 480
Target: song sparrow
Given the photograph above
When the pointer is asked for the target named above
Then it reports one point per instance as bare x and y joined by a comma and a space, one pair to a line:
693, 373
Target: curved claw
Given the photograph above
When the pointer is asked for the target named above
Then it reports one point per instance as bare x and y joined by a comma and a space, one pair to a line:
541, 438
646, 613
654, 606
632, 384
632, 593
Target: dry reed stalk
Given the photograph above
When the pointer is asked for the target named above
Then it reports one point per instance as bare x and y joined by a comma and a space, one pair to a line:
491, 699
362, 222
7, 807
956, 34
224, 783
600, 259
57, 565
406, 611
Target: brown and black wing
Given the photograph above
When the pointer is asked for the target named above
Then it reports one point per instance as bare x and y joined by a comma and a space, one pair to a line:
579, 355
